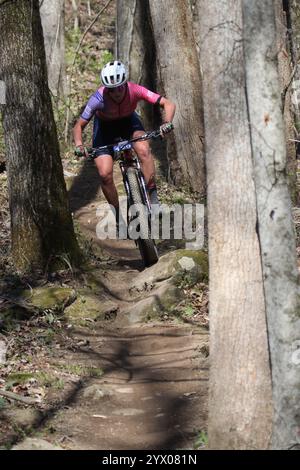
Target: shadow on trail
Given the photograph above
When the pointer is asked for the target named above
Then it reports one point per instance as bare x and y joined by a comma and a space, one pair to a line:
45, 416
85, 186
169, 420
134, 264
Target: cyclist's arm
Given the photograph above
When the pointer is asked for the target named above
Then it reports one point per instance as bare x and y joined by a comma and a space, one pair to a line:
77, 131
94, 103
168, 109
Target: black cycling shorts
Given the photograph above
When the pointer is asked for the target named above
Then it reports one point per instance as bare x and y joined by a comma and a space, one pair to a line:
108, 132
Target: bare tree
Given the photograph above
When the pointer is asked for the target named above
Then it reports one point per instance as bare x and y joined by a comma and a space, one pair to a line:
195, 12
294, 12
276, 232
240, 400
294, 28
52, 15
41, 224
135, 47
88, 4
286, 72
179, 71
75, 13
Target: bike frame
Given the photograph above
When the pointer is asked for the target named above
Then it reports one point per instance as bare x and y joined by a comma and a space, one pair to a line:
136, 190
127, 157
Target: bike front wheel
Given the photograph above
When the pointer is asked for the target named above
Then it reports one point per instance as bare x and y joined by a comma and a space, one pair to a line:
146, 245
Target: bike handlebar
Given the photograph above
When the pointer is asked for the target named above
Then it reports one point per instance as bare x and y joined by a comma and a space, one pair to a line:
126, 144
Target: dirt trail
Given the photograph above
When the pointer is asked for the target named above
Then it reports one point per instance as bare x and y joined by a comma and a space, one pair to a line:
151, 395
153, 392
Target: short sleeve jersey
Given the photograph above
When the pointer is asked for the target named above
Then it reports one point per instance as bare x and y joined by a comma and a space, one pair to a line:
102, 105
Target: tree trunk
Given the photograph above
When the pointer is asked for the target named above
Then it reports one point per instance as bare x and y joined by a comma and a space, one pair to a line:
41, 224
135, 47
52, 15
240, 385
285, 72
294, 25
276, 231
179, 70
195, 12
75, 14
88, 4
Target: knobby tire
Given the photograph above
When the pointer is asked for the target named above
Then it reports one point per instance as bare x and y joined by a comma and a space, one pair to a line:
146, 245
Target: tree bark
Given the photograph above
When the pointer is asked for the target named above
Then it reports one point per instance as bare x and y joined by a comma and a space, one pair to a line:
294, 16
195, 13
179, 70
41, 224
276, 231
75, 14
135, 47
294, 12
52, 15
285, 71
240, 385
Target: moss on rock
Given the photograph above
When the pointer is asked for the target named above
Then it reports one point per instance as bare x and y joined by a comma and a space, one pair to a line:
52, 298
163, 300
89, 306
200, 257
175, 266
25, 303
192, 267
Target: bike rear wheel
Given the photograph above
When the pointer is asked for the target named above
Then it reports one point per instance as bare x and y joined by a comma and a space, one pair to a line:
146, 245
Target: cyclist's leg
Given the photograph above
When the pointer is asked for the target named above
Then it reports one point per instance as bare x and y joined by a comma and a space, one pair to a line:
146, 158
148, 168
104, 164
144, 153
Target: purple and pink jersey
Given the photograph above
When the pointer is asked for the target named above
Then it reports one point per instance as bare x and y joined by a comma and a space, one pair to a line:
102, 105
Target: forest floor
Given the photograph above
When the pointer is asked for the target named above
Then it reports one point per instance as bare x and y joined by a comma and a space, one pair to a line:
122, 362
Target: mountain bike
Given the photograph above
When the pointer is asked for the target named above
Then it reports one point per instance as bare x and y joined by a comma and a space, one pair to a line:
136, 192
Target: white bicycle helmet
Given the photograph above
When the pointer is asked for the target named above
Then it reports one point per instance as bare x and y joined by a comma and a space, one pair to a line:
113, 74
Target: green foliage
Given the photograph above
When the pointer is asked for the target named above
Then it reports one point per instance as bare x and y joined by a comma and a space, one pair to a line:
3, 403
85, 79
86, 58
72, 38
172, 195
189, 311
81, 370
201, 440
46, 379
43, 378
107, 56
184, 279
48, 335
18, 378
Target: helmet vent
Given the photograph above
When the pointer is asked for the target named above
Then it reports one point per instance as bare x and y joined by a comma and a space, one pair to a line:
114, 74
